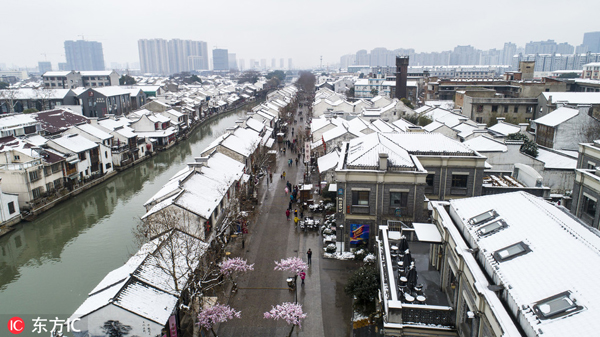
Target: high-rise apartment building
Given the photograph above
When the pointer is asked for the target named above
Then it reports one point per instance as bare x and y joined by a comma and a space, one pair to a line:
281, 64
154, 56
591, 40
273, 64
84, 55
290, 64
220, 59
232, 62
263, 64
242, 63
509, 50
44, 67
159, 56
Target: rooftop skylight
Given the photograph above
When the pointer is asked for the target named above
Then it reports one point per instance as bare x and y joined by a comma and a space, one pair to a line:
492, 227
511, 252
556, 306
482, 218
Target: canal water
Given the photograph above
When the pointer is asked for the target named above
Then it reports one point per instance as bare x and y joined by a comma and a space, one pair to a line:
47, 267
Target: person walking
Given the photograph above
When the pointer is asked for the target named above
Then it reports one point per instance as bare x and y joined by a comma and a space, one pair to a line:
296, 212
309, 255
302, 276
296, 221
287, 214
296, 161
290, 206
283, 174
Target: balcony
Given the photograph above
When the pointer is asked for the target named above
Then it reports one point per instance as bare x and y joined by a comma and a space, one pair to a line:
412, 304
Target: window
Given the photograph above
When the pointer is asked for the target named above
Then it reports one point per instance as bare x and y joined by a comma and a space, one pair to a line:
556, 306
589, 206
530, 109
516, 109
398, 199
360, 198
107, 166
478, 119
460, 180
429, 180
591, 165
480, 108
37, 192
49, 186
105, 154
34, 175
494, 108
506, 108
11, 207
17, 157
511, 252
82, 156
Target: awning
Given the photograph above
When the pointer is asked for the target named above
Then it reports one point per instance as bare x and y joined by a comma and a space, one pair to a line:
73, 161
427, 232
332, 188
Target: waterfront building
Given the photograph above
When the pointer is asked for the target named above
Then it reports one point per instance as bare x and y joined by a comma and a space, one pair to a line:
142, 295
29, 171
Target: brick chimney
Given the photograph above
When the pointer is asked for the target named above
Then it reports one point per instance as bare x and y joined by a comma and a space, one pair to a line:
401, 75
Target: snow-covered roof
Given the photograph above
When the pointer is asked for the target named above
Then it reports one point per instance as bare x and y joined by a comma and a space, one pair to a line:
558, 254
363, 152
110, 91
556, 160
402, 124
29, 93
96, 72
94, 131
255, 124
557, 116
504, 129
56, 73
573, 97
433, 126
142, 285
485, 144
429, 143
17, 120
328, 161
74, 143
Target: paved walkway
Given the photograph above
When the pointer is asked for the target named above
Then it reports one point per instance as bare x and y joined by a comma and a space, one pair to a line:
273, 238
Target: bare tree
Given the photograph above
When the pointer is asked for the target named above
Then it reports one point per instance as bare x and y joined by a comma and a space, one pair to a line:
10, 99
44, 95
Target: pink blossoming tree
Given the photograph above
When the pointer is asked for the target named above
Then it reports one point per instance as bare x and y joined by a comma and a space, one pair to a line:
233, 266
218, 313
293, 264
291, 312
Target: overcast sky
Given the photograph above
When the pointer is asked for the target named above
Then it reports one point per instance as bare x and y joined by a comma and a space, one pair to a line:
302, 30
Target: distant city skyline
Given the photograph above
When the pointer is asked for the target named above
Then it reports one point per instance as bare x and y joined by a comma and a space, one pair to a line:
336, 29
